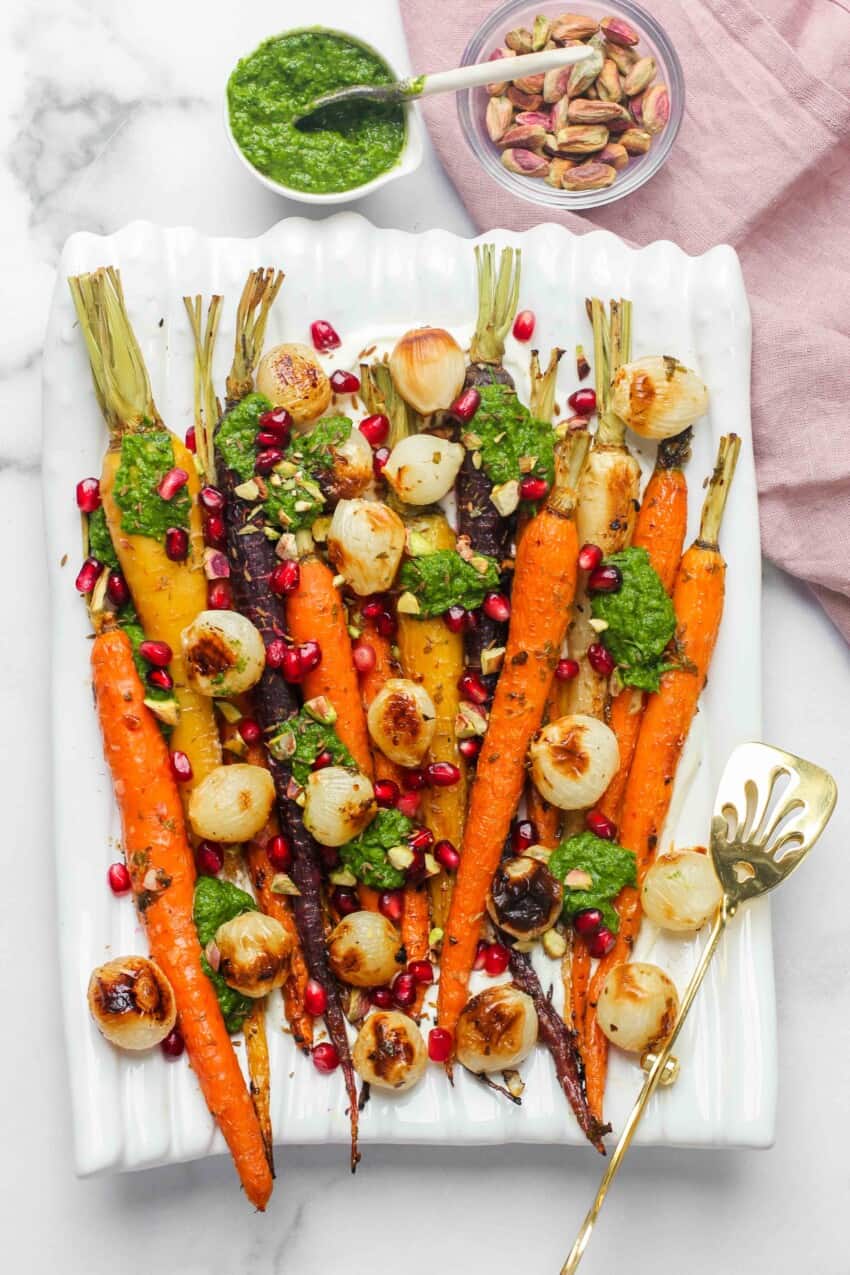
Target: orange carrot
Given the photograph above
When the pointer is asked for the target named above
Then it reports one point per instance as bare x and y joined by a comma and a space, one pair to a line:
163, 874
544, 587
545, 817
579, 983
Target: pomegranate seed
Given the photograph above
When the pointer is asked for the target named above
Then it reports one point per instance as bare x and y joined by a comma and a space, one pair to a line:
523, 835
173, 1045
159, 654
381, 997
172, 482
364, 657
250, 731
181, 767
524, 325
88, 495
471, 621
469, 748
344, 382
391, 905
324, 336
385, 625
414, 779
531, 488
455, 619
345, 901
209, 858
600, 659
404, 990
161, 678
325, 1057
191, 440
379, 461
212, 499
480, 954
116, 589
373, 608
566, 670
408, 804
264, 440
601, 943
324, 758
496, 959
386, 793
119, 878
443, 774
176, 544
375, 429
497, 607
285, 578
601, 825
277, 422
447, 856
310, 654
422, 971
589, 556
87, 575
587, 922
276, 653
330, 857
439, 1045
279, 852
583, 402
605, 579
472, 688
421, 839
466, 404
415, 871
215, 531
291, 666
315, 998
266, 460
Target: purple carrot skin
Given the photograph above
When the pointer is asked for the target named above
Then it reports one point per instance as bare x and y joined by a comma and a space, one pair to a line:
561, 1043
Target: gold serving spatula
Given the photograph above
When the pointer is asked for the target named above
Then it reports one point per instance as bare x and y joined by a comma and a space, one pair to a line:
770, 809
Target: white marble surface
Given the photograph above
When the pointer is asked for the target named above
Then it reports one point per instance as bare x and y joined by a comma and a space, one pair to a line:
113, 112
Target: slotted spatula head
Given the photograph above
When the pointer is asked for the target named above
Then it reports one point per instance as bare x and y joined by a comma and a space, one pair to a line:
771, 808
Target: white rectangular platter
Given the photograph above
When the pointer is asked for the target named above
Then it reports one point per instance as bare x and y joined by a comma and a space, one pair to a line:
132, 1112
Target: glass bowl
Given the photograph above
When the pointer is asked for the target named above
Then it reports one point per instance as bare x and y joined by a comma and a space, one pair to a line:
472, 103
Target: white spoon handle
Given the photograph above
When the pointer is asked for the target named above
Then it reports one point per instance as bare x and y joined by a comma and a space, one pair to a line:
472, 77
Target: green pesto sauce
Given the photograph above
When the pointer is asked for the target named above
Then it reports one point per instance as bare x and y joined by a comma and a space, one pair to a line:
610, 865
346, 146
145, 458
505, 433
641, 620
100, 541
217, 901
311, 738
443, 579
366, 855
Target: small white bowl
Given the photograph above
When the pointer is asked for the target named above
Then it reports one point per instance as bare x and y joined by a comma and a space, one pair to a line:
408, 161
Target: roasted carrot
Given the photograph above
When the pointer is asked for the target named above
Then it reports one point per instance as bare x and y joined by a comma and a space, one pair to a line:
163, 874
257, 1051
544, 585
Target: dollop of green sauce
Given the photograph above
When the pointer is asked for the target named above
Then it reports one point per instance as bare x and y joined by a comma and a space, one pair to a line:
346, 146
505, 433
146, 458
215, 902
311, 738
366, 855
609, 864
640, 618
443, 579
100, 541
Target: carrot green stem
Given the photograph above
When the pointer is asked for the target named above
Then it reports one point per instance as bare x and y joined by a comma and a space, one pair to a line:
498, 296
718, 491
542, 397
257, 298
207, 406
612, 347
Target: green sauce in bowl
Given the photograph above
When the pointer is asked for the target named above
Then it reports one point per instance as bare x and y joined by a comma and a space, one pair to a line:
354, 144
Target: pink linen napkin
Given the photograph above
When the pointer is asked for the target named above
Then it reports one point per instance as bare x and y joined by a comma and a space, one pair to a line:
762, 162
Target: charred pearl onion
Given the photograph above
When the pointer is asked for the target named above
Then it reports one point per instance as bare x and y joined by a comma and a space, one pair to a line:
132, 1002
637, 1006
422, 468
573, 760
365, 543
524, 899
290, 375
339, 804
351, 469
389, 1052
402, 720
365, 949
658, 397
428, 368
254, 951
496, 1030
680, 891
224, 653
231, 803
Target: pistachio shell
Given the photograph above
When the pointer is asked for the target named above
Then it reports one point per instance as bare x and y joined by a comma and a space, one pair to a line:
640, 77
582, 139
573, 26
590, 176
656, 108
525, 162
618, 31
636, 141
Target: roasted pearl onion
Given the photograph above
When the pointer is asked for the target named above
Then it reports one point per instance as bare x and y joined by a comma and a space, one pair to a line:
573, 760
253, 952
365, 949
657, 397
365, 544
428, 368
224, 653
338, 804
637, 1006
132, 1002
422, 468
290, 376
389, 1052
402, 720
681, 891
496, 1030
231, 803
